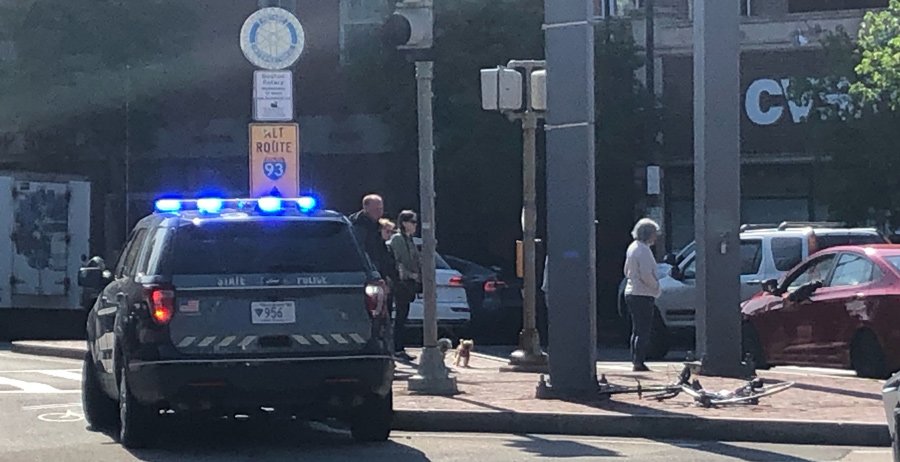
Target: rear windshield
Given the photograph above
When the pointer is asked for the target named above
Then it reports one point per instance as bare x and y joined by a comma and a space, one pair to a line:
277, 246
833, 240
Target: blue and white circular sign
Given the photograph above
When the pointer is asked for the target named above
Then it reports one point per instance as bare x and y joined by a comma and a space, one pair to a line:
272, 38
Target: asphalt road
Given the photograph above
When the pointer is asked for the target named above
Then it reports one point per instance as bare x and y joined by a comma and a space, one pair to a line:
42, 421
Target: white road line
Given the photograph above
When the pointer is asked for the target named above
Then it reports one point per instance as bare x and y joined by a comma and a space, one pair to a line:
206, 342
227, 341
247, 341
301, 340
319, 339
187, 341
34, 371
339, 338
23, 392
19, 356
63, 374
28, 387
50, 406
358, 338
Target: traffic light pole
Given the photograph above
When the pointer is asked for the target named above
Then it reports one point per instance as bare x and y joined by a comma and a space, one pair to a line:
433, 378
529, 357
571, 196
717, 179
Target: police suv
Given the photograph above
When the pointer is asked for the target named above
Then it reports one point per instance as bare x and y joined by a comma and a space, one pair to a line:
231, 306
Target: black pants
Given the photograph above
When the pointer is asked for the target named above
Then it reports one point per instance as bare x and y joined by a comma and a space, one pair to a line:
403, 296
641, 309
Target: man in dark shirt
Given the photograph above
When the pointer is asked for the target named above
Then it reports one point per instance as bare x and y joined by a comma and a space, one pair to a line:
367, 231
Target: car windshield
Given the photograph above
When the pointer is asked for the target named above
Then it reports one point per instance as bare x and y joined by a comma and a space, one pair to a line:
824, 241
276, 246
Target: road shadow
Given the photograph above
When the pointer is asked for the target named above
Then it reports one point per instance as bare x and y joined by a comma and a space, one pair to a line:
558, 449
737, 452
183, 440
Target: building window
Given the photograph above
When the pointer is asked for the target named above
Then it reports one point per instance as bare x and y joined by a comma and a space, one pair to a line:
617, 7
361, 22
806, 6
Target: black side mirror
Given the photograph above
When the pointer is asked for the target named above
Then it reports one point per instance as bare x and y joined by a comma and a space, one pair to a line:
805, 291
92, 278
670, 259
770, 286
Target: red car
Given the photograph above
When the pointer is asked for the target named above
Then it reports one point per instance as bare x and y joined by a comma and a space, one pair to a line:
839, 308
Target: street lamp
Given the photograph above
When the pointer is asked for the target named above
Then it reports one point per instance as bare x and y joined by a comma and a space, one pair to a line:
411, 28
502, 90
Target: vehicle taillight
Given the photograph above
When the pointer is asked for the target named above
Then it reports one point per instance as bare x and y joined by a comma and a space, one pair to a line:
375, 299
493, 286
161, 303
456, 281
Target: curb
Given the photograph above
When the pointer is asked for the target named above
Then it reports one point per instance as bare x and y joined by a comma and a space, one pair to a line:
38, 349
652, 427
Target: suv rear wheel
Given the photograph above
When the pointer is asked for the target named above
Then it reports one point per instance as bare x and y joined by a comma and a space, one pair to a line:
134, 418
372, 422
99, 409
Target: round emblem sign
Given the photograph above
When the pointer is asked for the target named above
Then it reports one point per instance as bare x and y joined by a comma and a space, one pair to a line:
272, 38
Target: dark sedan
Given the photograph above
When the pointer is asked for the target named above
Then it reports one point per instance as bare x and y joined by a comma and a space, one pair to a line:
496, 302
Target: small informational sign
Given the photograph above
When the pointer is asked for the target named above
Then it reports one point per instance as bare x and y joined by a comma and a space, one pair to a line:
273, 96
654, 179
274, 160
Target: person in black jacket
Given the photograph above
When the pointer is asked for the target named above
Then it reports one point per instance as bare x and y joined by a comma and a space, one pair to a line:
368, 233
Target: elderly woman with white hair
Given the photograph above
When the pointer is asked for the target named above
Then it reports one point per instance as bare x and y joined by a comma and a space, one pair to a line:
641, 289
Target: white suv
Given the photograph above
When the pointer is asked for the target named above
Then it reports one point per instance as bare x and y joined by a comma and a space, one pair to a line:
767, 252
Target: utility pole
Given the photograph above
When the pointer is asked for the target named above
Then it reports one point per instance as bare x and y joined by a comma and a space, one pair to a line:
717, 190
410, 28
571, 271
655, 172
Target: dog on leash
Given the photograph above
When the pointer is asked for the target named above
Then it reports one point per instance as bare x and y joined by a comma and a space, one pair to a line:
463, 352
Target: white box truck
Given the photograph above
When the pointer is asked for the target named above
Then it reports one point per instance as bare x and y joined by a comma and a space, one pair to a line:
44, 237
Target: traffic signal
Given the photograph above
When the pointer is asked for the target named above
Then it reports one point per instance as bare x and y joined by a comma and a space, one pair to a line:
411, 26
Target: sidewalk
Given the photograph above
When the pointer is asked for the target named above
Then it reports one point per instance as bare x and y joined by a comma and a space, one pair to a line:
819, 409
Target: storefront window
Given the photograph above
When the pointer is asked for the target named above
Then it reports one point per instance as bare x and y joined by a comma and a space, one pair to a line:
805, 6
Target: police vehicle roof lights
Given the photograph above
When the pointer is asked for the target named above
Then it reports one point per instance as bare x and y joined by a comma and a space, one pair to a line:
216, 206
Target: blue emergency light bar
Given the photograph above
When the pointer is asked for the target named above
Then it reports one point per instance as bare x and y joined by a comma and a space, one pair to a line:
214, 205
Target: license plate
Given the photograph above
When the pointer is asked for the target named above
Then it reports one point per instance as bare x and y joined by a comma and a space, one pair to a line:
272, 312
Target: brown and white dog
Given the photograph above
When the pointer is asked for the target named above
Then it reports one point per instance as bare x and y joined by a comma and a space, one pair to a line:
463, 352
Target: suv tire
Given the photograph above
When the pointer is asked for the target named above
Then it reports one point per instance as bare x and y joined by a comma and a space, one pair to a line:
659, 338
134, 418
867, 357
751, 348
99, 409
372, 421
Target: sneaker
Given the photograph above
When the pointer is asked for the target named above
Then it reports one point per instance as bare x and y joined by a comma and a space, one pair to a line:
640, 368
403, 356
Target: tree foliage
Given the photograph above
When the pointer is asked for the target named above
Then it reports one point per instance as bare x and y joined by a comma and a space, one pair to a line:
479, 153
854, 128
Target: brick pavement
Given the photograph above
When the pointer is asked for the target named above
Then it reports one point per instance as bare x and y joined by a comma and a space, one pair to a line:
815, 397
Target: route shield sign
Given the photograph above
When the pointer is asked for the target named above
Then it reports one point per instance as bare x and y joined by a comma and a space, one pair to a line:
274, 160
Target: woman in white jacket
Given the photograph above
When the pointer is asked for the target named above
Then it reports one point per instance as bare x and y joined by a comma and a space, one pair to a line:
641, 289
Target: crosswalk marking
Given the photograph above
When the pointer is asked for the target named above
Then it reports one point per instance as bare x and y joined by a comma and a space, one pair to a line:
29, 387
63, 374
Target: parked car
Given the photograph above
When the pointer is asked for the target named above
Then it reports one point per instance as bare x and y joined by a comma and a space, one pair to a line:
453, 310
840, 308
767, 251
496, 301
891, 396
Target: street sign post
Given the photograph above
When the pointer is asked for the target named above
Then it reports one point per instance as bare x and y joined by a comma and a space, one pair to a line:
273, 96
274, 160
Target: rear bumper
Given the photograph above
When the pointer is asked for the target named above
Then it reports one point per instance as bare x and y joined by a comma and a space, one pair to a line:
326, 385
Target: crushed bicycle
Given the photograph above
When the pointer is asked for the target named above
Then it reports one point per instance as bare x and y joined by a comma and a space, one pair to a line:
749, 393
